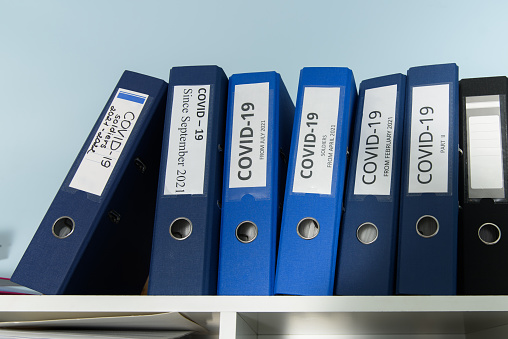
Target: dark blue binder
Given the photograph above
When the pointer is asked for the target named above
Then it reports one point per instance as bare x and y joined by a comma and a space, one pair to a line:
368, 237
428, 224
96, 236
315, 182
187, 218
258, 135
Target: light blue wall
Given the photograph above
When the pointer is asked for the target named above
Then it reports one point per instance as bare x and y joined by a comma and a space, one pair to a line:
59, 61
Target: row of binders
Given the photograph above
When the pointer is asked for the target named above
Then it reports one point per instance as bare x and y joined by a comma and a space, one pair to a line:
223, 186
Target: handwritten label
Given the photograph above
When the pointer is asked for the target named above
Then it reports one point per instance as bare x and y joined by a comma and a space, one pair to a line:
109, 141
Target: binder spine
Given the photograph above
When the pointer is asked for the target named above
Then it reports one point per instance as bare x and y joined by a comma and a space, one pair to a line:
368, 238
78, 240
427, 257
187, 217
257, 119
315, 184
483, 186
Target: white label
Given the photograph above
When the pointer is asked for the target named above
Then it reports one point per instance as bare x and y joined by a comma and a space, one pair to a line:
249, 136
316, 140
430, 119
185, 167
485, 152
374, 163
102, 155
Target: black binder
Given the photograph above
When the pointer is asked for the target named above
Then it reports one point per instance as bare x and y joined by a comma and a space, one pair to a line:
483, 230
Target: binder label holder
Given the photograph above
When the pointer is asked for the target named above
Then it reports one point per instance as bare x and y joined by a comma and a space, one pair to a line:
185, 169
316, 140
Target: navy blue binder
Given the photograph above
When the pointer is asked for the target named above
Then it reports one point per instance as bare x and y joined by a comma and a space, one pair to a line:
428, 224
368, 237
96, 236
187, 218
315, 182
258, 135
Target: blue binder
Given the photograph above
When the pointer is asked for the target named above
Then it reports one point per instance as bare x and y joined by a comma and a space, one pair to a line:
258, 134
368, 237
96, 236
187, 218
428, 224
315, 183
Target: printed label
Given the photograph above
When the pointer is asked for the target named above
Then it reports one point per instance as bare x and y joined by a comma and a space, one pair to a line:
485, 152
375, 149
316, 140
102, 155
249, 138
185, 167
430, 119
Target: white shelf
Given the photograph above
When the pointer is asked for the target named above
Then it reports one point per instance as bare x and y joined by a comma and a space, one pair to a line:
290, 316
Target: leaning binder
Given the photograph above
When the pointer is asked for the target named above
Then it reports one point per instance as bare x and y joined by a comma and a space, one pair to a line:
258, 135
483, 248
428, 224
96, 236
187, 218
315, 183
368, 237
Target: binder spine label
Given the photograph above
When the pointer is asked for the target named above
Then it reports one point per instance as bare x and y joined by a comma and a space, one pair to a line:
249, 135
374, 164
185, 167
428, 158
484, 151
316, 140
106, 148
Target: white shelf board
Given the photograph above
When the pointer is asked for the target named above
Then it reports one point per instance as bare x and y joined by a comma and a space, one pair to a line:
288, 315
294, 304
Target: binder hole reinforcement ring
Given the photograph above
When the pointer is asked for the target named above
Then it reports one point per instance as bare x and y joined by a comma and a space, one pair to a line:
246, 232
180, 228
489, 233
63, 227
367, 233
427, 226
308, 228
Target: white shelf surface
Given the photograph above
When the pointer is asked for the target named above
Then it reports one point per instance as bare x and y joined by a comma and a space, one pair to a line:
286, 315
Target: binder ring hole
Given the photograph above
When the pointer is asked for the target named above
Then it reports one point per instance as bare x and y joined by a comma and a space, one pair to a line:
367, 233
307, 228
246, 232
180, 228
427, 226
63, 227
489, 233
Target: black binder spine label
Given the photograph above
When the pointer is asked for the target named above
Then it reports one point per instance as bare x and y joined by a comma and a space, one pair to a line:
484, 151
249, 135
316, 140
374, 164
106, 147
186, 161
430, 119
